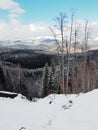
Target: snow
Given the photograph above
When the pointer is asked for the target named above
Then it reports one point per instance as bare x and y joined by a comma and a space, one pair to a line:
55, 112
4, 92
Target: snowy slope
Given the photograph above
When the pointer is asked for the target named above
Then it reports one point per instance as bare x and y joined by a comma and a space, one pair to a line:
55, 112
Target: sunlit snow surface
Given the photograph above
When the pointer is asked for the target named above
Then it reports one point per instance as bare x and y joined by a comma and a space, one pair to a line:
55, 112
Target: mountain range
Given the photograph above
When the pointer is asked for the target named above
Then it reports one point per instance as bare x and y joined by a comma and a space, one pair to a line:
38, 43
46, 44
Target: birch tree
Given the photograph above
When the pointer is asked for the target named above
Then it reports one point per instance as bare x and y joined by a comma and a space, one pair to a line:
68, 47
86, 75
64, 45
60, 41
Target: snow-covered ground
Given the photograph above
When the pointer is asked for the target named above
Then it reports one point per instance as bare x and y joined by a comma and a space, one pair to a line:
55, 112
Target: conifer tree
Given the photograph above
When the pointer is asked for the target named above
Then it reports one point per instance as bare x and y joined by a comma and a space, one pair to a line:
51, 86
45, 79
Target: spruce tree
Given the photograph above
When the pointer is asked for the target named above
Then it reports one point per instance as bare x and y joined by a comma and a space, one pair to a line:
51, 86
45, 80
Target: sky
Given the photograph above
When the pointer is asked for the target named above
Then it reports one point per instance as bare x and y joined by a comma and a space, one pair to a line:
45, 10
20, 19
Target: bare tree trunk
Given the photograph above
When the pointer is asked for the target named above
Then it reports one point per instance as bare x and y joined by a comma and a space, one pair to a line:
60, 21
86, 40
68, 53
85, 54
67, 72
62, 49
74, 56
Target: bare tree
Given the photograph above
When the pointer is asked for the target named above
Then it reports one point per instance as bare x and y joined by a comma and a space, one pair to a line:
64, 43
60, 41
86, 75
86, 32
69, 50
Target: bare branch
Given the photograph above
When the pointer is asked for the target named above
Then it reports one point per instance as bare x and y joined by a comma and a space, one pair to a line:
55, 36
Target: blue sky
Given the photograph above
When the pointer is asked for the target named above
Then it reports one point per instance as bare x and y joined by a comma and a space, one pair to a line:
45, 10
20, 19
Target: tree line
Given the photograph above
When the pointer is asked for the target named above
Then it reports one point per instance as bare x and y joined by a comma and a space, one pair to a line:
44, 81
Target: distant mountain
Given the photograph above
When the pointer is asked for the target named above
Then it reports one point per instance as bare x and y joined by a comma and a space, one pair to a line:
40, 43
48, 40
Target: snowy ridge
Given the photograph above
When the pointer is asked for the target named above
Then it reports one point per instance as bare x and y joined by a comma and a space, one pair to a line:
55, 112
39, 43
46, 43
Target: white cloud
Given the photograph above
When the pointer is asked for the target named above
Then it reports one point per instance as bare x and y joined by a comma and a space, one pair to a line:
14, 31
40, 29
12, 6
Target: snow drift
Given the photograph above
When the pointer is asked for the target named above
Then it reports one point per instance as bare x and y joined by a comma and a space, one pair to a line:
55, 112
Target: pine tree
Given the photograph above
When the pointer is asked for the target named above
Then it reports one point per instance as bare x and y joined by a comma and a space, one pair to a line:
51, 86
45, 80
53, 66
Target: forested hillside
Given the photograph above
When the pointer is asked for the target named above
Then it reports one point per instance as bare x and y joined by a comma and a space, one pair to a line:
37, 74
